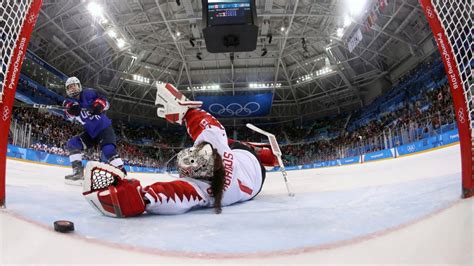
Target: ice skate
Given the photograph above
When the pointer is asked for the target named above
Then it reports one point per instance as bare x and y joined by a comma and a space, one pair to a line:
77, 177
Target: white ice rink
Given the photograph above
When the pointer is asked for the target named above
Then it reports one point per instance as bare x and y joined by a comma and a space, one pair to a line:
399, 211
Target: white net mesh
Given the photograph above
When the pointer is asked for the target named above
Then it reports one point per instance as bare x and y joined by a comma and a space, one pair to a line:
12, 13
102, 178
456, 18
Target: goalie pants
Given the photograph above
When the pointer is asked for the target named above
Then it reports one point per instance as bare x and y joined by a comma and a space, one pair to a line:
106, 139
239, 146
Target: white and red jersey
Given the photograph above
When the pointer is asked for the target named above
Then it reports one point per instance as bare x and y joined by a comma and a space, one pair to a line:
243, 173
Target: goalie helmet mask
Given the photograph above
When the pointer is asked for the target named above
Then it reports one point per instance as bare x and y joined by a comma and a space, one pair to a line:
196, 162
73, 91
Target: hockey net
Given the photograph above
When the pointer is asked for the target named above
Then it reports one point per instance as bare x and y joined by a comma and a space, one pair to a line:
451, 24
18, 18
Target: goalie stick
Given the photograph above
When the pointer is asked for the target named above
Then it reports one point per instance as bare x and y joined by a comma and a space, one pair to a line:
276, 151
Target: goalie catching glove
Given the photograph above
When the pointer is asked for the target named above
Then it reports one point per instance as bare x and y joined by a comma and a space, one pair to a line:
173, 105
109, 192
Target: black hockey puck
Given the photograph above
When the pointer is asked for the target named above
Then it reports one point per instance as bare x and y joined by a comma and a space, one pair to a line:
63, 226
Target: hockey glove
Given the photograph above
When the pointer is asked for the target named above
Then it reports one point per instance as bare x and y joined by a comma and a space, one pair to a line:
98, 106
172, 104
73, 109
107, 189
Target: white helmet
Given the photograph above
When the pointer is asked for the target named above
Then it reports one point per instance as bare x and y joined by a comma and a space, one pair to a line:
73, 91
196, 162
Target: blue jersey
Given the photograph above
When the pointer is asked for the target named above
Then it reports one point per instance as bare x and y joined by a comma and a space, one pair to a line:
93, 124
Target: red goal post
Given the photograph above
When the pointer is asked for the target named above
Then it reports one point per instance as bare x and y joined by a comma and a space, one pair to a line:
451, 24
18, 18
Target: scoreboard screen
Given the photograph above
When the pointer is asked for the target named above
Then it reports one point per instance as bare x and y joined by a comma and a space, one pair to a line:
222, 12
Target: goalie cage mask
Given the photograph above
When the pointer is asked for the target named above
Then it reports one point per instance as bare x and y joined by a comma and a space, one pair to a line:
196, 162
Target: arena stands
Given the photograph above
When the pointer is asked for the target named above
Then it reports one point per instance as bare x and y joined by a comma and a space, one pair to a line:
420, 105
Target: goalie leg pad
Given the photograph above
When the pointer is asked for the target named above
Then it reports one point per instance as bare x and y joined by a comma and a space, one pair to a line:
123, 200
106, 189
173, 105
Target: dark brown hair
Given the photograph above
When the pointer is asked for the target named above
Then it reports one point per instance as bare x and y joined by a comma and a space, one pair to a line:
217, 182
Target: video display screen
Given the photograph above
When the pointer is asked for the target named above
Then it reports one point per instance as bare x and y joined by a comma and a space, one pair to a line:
222, 12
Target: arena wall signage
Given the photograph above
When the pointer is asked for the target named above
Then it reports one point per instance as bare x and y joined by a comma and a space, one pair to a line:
418, 146
238, 105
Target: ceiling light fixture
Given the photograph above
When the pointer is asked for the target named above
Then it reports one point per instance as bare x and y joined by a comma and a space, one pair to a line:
355, 6
120, 43
95, 9
112, 33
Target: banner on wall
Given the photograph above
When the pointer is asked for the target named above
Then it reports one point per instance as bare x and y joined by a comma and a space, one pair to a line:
37, 156
450, 137
421, 145
237, 105
350, 160
30, 55
416, 146
33, 84
44, 157
320, 164
378, 155
355, 40
429, 143
19, 96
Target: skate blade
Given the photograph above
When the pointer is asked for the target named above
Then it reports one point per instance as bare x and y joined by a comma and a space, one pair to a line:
73, 182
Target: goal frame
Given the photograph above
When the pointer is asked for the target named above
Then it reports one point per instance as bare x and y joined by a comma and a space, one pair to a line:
458, 92
10, 82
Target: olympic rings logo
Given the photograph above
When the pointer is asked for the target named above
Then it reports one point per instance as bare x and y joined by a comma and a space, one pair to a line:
31, 19
461, 117
234, 109
411, 148
429, 12
6, 113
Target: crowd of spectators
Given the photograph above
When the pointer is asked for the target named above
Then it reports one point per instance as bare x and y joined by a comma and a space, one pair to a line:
411, 122
49, 149
46, 127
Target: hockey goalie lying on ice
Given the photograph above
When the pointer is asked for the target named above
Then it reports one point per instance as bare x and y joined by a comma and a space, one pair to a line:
215, 172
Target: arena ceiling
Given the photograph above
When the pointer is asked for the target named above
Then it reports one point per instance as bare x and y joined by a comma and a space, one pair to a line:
304, 40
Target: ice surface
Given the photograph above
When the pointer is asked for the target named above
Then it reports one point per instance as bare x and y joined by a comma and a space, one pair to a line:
332, 206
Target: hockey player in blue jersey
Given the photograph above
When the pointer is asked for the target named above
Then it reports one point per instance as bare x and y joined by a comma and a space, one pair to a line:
88, 108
